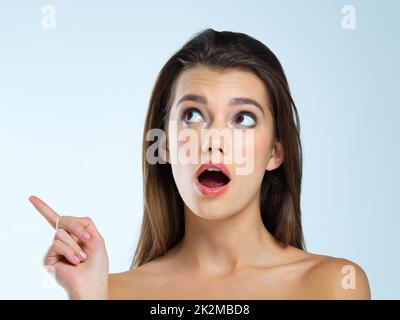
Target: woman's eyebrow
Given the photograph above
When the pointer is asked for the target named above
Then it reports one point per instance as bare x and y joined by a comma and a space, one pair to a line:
233, 102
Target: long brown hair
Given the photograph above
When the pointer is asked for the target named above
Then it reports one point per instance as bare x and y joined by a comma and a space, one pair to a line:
163, 219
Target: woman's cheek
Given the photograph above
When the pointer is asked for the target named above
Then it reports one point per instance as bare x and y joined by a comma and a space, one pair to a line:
256, 155
185, 156
246, 153
184, 144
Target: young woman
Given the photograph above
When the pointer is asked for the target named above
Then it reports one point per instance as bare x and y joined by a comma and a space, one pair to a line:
208, 231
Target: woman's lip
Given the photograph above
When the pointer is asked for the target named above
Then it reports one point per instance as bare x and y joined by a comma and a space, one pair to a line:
211, 191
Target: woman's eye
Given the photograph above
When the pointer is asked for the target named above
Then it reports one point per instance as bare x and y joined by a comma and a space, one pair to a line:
192, 116
245, 119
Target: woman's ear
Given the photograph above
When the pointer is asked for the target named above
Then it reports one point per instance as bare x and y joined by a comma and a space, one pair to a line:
276, 158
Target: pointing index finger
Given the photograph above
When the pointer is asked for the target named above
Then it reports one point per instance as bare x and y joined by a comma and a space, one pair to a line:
48, 213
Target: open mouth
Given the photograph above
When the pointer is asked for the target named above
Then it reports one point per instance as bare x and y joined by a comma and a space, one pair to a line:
213, 178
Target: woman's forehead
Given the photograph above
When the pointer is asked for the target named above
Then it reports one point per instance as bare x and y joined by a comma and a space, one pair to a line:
220, 84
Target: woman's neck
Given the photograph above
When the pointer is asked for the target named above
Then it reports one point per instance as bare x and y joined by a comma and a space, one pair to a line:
223, 246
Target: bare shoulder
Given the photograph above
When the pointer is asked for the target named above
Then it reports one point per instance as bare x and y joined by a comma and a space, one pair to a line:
135, 283
126, 285
118, 284
336, 278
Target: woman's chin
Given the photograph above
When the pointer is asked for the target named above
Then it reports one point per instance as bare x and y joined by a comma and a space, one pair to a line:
215, 211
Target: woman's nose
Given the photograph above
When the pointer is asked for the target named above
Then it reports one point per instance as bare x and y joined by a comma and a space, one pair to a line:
217, 138
213, 142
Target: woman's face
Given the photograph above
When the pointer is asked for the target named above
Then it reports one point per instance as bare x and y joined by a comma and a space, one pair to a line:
205, 116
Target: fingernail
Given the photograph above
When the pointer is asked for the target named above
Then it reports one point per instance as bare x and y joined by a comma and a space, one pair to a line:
82, 254
85, 235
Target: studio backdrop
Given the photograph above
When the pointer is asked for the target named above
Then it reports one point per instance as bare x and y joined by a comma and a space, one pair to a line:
75, 82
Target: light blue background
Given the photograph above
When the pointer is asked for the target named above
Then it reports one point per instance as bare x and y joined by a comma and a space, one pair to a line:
73, 102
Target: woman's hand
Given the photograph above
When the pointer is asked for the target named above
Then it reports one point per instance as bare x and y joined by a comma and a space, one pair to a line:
77, 255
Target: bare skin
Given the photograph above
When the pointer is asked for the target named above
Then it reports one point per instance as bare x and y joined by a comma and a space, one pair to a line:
294, 274
290, 273
77, 256
226, 252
